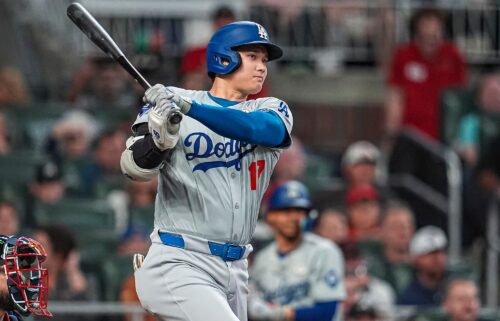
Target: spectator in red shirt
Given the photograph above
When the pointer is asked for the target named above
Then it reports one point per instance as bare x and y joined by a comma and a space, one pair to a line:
419, 72
193, 63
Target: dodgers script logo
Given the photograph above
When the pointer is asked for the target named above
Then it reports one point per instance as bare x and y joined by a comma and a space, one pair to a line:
203, 147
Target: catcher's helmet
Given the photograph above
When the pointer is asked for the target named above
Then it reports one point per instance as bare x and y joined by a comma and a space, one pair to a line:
292, 194
226, 39
27, 281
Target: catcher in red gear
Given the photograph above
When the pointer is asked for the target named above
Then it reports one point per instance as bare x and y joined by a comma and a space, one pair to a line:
24, 283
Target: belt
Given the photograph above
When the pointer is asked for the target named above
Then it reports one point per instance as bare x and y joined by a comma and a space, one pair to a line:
227, 251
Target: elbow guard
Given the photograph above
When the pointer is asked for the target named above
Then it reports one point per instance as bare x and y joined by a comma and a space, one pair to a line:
134, 172
129, 166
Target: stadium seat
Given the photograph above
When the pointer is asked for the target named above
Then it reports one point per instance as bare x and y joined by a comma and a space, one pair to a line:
455, 103
80, 214
18, 168
115, 269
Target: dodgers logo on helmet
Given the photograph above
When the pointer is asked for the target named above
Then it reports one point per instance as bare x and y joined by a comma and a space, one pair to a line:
262, 32
222, 57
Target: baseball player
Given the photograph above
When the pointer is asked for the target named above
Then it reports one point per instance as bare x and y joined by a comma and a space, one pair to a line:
300, 275
213, 170
23, 282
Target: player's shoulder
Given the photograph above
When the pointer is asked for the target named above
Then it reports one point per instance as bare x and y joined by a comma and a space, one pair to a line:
269, 101
320, 244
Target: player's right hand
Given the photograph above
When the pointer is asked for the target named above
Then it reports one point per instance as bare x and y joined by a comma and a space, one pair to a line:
165, 134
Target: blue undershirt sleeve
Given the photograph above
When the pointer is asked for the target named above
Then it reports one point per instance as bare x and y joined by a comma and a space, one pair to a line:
260, 127
323, 311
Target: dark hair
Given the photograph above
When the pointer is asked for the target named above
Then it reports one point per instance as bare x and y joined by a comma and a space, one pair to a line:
422, 13
223, 12
61, 237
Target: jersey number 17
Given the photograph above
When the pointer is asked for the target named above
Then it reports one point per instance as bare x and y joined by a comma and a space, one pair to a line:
256, 168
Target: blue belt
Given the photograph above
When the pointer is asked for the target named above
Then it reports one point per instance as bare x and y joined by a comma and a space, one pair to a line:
227, 251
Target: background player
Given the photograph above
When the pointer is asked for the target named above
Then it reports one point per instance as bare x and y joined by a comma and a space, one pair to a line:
213, 171
23, 282
300, 275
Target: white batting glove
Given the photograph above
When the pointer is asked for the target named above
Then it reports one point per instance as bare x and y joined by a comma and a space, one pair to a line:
159, 92
165, 135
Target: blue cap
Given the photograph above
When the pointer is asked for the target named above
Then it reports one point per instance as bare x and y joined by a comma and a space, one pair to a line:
292, 194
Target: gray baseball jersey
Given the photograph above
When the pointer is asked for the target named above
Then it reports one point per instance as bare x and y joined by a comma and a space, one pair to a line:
313, 272
212, 186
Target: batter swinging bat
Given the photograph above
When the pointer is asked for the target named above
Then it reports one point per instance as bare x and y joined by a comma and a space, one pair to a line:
96, 33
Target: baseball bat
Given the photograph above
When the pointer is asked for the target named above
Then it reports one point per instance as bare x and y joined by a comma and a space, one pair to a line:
96, 33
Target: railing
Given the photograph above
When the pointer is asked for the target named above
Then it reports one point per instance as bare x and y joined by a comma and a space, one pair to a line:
454, 181
493, 253
135, 311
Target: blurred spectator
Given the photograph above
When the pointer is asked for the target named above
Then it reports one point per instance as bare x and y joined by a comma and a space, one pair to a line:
468, 141
363, 213
419, 72
135, 239
363, 310
141, 199
69, 145
332, 224
389, 259
461, 301
128, 294
47, 187
363, 288
292, 163
194, 60
428, 252
142, 194
9, 218
102, 83
290, 166
72, 135
359, 164
5, 143
489, 167
103, 172
67, 282
13, 90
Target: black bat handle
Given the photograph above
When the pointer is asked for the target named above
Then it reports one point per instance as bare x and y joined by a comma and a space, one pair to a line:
125, 63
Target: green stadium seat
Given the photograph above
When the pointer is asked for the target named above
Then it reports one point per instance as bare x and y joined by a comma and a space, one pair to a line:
142, 216
455, 103
18, 168
83, 215
115, 270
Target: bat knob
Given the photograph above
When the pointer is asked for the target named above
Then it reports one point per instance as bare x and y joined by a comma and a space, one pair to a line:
175, 117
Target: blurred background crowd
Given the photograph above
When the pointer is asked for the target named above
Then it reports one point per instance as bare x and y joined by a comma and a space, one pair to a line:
396, 135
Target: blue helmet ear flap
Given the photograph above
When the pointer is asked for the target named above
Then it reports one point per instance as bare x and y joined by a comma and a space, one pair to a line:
222, 61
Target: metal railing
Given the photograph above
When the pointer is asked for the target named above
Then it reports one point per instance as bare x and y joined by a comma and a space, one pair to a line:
454, 197
493, 253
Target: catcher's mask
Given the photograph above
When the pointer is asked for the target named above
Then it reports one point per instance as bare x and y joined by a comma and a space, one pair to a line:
27, 281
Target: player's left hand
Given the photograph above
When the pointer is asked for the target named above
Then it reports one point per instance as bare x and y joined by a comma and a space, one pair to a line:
159, 92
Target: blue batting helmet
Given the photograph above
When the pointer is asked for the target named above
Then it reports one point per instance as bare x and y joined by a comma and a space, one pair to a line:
289, 195
226, 39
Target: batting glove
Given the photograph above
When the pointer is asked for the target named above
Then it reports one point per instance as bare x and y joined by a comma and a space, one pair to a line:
159, 92
165, 134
